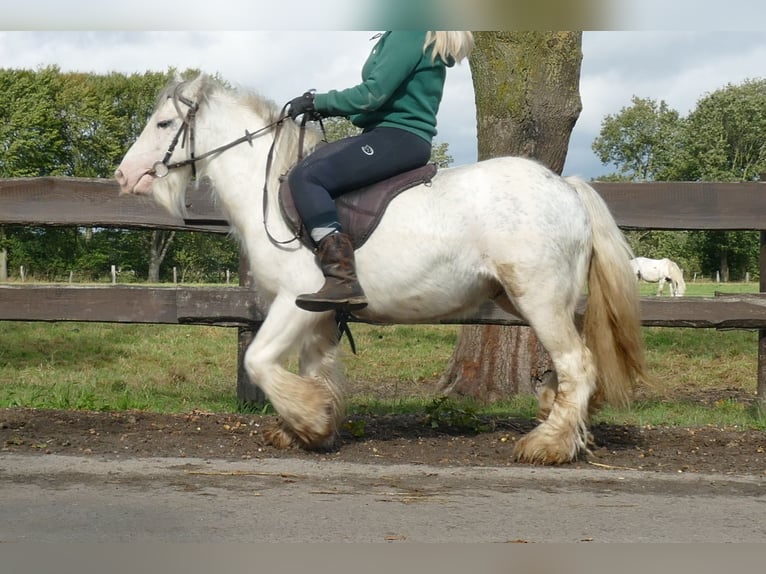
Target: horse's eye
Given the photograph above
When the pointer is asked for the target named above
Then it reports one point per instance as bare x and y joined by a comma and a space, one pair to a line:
164, 124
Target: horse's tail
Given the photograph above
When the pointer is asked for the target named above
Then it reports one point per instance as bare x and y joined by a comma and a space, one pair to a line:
612, 327
678, 277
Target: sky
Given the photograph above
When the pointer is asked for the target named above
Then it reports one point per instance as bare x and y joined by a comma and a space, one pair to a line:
679, 57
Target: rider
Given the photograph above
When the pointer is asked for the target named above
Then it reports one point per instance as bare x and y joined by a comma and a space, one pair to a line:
395, 105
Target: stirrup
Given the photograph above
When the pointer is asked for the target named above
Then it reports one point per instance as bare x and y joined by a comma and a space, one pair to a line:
319, 305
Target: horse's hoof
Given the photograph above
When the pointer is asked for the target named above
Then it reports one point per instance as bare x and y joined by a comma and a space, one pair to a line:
532, 449
281, 435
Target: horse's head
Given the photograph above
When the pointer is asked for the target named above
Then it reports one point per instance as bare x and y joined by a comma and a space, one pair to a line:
160, 162
163, 159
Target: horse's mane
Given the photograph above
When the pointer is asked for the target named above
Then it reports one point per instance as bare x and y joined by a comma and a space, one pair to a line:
208, 87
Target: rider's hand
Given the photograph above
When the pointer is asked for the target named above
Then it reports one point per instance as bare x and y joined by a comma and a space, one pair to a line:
303, 105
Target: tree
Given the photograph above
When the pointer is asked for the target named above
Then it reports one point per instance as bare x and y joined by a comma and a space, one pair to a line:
723, 138
159, 243
643, 142
31, 140
527, 102
724, 142
720, 140
640, 139
203, 256
69, 124
30, 132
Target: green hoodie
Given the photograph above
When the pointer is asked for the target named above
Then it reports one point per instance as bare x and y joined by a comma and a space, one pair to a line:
401, 87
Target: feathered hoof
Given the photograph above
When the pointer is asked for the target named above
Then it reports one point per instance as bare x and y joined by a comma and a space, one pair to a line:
282, 436
279, 436
537, 448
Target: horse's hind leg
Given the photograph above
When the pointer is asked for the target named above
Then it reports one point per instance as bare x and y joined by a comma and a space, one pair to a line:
563, 434
310, 404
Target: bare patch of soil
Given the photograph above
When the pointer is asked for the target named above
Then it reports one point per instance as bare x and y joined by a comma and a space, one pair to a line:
371, 439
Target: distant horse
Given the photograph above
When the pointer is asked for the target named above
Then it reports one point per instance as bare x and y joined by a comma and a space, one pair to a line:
660, 271
508, 230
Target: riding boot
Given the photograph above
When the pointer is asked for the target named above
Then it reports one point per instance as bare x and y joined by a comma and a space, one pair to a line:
341, 289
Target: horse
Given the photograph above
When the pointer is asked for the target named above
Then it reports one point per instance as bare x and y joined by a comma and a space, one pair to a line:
660, 271
488, 230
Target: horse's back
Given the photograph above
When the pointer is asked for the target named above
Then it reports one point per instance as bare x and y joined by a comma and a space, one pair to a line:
506, 193
511, 203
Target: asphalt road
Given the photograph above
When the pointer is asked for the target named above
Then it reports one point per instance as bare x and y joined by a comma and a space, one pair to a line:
52, 498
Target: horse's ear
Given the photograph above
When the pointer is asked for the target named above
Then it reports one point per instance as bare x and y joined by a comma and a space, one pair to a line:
190, 88
195, 85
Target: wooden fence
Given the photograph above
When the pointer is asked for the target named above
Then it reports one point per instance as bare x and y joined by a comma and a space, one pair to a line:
97, 203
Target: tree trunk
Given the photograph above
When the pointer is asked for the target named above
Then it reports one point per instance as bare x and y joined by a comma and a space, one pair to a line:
526, 87
724, 265
160, 242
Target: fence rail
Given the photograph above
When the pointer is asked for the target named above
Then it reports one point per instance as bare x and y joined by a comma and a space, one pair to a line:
97, 203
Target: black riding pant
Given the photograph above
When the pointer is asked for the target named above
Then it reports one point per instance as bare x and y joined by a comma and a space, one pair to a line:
348, 164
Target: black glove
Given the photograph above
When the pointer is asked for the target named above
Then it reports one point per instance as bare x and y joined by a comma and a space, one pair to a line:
303, 105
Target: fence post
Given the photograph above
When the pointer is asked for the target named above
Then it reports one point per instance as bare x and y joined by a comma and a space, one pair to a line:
247, 391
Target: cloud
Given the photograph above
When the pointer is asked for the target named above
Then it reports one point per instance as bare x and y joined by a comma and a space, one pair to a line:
678, 67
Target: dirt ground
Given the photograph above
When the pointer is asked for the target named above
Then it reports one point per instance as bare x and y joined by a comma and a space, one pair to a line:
372, 439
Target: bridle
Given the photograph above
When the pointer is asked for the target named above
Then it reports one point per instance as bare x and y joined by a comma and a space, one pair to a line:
186, 131
162, 168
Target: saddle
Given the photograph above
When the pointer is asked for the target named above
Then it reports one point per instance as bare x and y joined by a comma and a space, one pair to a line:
359, 211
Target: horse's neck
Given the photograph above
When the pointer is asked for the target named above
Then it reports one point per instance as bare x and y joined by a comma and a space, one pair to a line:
238, 176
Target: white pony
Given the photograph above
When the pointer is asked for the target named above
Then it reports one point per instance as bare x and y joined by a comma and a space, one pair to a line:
660, 271
505, 229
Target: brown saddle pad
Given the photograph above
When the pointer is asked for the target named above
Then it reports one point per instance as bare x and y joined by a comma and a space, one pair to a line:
359, 211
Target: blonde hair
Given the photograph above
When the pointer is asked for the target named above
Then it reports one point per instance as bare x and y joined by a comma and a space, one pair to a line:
449, 44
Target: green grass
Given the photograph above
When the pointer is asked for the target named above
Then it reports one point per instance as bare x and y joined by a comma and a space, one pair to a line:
98, 366
700, 288
170, 368
724, 413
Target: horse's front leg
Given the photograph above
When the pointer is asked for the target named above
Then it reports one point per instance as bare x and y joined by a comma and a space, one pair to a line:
660, 286
310, 404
